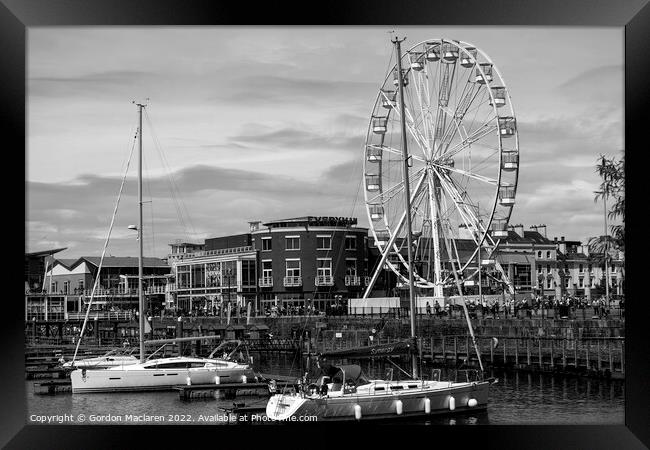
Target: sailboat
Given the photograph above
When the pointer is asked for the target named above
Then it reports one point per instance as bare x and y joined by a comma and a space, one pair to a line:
158, 373
343, 392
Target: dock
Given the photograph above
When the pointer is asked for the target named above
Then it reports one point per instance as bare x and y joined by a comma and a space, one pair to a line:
52, 387
221, 391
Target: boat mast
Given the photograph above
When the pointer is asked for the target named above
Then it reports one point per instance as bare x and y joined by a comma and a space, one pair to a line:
407, 196
140, 293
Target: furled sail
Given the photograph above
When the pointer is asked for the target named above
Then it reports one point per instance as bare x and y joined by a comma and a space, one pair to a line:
372, 351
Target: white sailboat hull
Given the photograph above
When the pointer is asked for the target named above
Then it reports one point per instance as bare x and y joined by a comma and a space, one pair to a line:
138, 377
429, 399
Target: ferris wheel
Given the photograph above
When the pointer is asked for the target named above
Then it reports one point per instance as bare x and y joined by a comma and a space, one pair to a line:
463, 165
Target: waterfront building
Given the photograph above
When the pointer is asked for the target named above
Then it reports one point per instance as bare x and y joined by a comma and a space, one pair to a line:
305, 261
69, 283
36, 264
210, 275
310, 260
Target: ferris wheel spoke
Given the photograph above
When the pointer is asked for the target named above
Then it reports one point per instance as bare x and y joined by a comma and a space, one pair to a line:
469, 174
395, 151
483, 131
466, 214
415, 133
459, 113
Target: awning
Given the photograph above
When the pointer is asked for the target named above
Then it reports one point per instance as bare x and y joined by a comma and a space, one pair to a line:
514, 258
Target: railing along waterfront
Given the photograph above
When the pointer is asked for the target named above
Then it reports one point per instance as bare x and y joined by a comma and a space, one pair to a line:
595, 355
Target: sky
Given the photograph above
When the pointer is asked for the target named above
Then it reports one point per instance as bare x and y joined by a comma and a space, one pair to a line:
266, 123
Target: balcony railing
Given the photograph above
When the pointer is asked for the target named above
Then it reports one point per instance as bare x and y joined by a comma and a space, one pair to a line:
327, 280
102, 315
124, 292
266, 282
222, 251
352, 280
292, 281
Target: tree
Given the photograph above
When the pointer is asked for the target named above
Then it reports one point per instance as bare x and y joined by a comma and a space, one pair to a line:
611, 190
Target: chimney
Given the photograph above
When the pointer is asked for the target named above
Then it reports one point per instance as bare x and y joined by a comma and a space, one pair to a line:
562, 247
519, 229
544, 227
585, 249
254, 225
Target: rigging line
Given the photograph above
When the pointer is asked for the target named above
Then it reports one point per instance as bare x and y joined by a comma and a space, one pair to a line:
174, 196
173, 188
175, 191
101, 260
151, 246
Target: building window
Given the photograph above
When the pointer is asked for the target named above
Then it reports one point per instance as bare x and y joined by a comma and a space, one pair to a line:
292, 243
548, 254
293, 267
539, 254
539, 269
567, 282
351, 267
80, 285
324, 242
183, 277
581, 268
548, 268
324, 267
267, 270
66, 287
213, 274
266, 244
581, 282
350, 242
549, 283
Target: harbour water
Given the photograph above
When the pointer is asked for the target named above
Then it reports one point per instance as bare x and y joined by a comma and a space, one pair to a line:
517, 398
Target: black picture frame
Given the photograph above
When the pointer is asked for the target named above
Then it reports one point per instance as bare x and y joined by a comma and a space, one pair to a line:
17, 15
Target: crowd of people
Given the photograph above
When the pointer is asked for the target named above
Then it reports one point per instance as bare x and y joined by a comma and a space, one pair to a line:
566, 306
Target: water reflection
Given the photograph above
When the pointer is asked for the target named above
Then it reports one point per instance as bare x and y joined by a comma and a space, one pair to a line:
517, 398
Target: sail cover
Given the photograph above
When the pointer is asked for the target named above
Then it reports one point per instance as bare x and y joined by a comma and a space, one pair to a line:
391, 349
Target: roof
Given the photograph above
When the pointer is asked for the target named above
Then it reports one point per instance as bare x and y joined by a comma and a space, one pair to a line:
530, 237
313, 221
67, 262
122, 261
46, 252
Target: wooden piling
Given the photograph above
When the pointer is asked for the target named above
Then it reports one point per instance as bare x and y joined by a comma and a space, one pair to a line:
552, 356
600, 365
611, 360
455, 349
622, 345
528, 352
517, 351
491, 351
539, 352
564, 353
